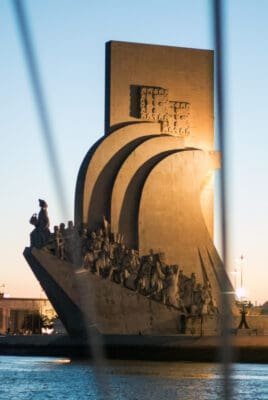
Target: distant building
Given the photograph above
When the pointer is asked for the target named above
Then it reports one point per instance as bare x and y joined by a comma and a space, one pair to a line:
13, 312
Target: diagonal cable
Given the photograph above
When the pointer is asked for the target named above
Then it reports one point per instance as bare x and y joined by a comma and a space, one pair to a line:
40, 102
219, 45
94, 340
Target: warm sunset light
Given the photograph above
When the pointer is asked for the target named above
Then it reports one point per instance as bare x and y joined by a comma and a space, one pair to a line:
134, 220
240, 293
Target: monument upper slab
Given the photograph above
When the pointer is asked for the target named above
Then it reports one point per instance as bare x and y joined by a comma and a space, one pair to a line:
169, 85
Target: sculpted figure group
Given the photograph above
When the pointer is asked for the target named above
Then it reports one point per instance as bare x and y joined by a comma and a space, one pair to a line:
104, 254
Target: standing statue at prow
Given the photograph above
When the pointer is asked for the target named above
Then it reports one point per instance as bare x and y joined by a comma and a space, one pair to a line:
41, 234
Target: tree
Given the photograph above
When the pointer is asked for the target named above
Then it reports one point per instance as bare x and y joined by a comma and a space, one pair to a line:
35, 321
264, 308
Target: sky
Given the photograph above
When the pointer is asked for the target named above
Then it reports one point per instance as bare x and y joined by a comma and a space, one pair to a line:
69, 39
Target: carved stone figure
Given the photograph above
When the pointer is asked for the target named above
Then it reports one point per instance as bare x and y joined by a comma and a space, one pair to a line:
181, 281
112, 247
193, 280
210, 306
84, 241
59, 243
100, 237
119, 255
171, 290
95, 243
133, 269
144, 283
134, 261
106, 226
162, 262
102, 265
181, 307
197, 303
116, 262
89, 261
106, 246
41, 234
187, 294
157, 280
213, 309
72, 245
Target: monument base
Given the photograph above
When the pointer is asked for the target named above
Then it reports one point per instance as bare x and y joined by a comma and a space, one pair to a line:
85, 301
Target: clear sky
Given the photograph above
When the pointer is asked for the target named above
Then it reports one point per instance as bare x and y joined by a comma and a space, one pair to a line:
69, 38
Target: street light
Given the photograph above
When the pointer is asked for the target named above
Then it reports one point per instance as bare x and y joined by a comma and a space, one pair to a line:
235, 273
241, 269
240, 291
243, 304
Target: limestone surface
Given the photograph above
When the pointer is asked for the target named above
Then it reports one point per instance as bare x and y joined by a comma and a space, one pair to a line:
141, 246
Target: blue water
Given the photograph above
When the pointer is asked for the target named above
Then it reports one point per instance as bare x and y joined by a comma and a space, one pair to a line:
42, 378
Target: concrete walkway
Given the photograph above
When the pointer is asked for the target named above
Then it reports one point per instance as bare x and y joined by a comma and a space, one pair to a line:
158, 348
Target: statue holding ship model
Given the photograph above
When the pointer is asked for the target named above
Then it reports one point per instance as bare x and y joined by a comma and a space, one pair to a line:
140, 254
40, 235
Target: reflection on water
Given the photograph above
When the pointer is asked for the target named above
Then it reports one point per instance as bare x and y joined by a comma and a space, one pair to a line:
42, 378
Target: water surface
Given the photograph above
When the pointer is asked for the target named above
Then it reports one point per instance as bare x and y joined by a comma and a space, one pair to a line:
42, 378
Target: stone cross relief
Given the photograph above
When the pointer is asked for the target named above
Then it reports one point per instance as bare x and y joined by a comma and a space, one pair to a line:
174, 116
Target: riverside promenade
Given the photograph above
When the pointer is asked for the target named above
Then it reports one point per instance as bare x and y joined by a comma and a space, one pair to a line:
155, 348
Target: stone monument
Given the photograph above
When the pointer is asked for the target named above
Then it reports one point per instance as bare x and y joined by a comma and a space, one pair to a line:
142, 239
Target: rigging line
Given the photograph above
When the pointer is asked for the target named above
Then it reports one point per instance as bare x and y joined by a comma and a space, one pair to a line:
219, 45
40, 102
104, 391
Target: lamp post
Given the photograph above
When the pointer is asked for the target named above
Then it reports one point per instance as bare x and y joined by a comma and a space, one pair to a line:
240, 291
235, 273
242, 303
241, 269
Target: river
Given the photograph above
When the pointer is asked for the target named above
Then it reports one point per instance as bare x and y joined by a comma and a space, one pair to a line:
41, 378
